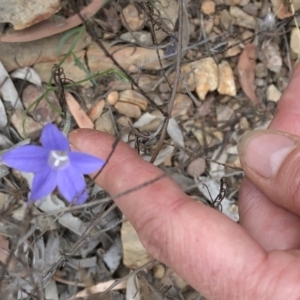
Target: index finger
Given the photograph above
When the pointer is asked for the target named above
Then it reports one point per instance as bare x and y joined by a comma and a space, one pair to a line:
203, 246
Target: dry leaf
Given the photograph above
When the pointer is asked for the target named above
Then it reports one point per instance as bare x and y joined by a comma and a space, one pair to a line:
175, 132
80, 116
8, 90
246, 70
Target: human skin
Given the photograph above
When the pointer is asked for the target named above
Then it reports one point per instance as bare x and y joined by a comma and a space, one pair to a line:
256, 259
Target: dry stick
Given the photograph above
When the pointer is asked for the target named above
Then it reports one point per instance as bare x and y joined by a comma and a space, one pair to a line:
176, 81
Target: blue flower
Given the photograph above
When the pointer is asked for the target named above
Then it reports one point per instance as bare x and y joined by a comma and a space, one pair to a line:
54, 165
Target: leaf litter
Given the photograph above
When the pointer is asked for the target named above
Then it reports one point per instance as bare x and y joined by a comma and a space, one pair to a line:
119, 76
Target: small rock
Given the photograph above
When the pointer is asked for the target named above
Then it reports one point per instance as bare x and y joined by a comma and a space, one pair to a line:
232, 2
226, 19
71, 68
96, 111
233, 51
112, 97
133, 97
167, 12
189, 77
31, 129
261, 71
260, 82
208, 7
244, 124
208, 26
250, 9
23, 14
132, 18
246, 37
143, 37
202, 140
241, 18
295, 43
244, 2
271, 56
159, 271
105, 124
226, 84
129, 110
182, 105
273, 94
196, 167
134, 253
283, 11
124, 121
224, 113
206, 76
43, 112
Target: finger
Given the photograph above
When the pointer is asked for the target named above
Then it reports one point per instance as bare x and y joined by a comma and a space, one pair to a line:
199, 243
280, 226
271, 160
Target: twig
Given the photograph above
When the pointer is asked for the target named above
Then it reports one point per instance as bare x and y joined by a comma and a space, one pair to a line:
176, 81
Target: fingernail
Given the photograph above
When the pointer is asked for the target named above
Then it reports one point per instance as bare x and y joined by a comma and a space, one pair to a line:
264, 152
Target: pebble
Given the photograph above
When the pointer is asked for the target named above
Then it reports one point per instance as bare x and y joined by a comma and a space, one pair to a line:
233, 51
250, 9
226, 19
206, 76
133, 97
23, 14
226, 83
168, 13
208, 7
224, 113
270, 55
131, 18
261, 71
208, 26
183, 105
196, 167
295, 43
105, 124
241, 18
31, 129
187, 73
246, 37
112, 97
42, 113
124, 121
232, 2
273, 94
129, 110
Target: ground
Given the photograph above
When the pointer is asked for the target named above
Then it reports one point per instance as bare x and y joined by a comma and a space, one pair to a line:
204, 72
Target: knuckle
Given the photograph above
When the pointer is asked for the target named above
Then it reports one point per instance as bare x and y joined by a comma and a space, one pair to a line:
157, 230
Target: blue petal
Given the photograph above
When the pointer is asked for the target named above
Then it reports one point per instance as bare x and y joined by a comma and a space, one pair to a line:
85, 163
27, 158
71, 185
53, 139
43, 183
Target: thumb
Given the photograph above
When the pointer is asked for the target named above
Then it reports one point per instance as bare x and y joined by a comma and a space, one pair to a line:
271, 160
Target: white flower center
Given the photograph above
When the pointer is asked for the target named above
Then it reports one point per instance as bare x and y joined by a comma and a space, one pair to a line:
58, 160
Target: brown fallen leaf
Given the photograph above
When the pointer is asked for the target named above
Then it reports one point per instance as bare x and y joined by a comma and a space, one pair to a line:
49, 28
81, 118
246, 70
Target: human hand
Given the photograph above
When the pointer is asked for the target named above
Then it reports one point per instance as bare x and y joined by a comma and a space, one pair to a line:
257, 259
